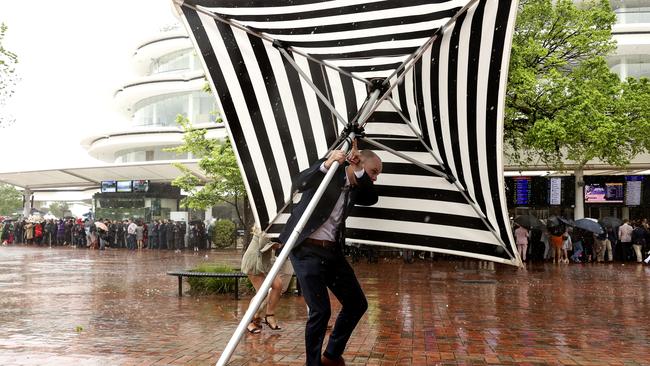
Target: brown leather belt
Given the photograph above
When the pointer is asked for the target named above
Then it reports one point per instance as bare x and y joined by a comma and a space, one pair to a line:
319, 243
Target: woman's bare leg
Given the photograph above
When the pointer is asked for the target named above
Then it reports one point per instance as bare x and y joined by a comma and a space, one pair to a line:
273, 297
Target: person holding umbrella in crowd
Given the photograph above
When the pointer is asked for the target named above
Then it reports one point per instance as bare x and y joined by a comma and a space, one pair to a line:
521, 237
102, 233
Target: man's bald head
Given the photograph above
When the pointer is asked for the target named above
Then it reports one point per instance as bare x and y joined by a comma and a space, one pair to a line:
371, 163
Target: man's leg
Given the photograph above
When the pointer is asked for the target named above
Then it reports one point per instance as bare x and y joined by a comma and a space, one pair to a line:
637, 252
344, 285
310, 271
608, 247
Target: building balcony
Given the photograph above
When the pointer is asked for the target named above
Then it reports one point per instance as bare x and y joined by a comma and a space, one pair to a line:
142, 144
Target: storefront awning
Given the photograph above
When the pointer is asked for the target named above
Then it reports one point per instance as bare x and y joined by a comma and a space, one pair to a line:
92, 176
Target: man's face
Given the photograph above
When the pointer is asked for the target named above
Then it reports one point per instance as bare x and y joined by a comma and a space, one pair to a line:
373, 167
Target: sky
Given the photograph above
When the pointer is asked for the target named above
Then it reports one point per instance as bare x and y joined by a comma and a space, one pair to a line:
72, 57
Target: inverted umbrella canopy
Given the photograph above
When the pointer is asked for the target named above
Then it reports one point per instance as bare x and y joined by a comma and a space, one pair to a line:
529, 221
291, 76
589, 224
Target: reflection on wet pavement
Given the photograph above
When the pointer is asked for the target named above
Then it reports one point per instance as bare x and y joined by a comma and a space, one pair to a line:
74, 306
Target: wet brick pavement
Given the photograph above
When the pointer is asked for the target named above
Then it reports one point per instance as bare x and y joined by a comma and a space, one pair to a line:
426, 313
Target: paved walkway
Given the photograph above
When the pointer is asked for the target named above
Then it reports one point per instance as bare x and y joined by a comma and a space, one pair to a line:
82, 307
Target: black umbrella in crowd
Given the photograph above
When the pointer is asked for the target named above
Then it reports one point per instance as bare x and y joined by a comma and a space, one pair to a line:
611, 221
529, 221
589, 224
566, 221
553, 221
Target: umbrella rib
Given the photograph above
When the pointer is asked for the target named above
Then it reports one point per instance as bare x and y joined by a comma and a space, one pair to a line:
420, 51
313, 86
413, 59
446, 175
267, 38
437, 172
417, 134
441, 174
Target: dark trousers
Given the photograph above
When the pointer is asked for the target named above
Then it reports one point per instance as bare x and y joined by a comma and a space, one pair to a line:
131, 242
627, 251
317, 270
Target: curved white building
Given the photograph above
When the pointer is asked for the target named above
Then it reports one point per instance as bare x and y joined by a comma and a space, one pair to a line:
170, 82
632, 34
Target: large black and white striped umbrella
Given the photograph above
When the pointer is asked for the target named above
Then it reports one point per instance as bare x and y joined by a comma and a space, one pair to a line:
290, 74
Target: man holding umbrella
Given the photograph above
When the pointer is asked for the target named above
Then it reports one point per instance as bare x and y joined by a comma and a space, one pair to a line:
102, 233
318, 257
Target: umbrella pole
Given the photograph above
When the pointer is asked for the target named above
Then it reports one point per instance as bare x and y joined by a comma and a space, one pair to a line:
288, 246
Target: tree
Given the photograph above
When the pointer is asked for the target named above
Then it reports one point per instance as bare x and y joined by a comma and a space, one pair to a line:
59, 209
218, 163
11, 200
563, 104
8, 78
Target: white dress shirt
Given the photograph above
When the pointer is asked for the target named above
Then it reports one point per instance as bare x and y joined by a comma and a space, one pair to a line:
327, 231
131, 228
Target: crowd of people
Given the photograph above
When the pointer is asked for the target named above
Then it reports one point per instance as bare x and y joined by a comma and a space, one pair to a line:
628, 242
130, 234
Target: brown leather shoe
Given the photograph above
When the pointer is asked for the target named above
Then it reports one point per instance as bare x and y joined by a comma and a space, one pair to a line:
328, 362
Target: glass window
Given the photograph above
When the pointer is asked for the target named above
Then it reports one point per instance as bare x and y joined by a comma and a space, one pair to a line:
632, 66
632, 15
168, 109
182, 60
204, 108
162, 110
147, 154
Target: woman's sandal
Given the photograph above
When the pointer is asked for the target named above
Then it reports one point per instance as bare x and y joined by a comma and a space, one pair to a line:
252, 328
266, 320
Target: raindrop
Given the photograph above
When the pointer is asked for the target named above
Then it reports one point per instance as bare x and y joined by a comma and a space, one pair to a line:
491, 108
427, 218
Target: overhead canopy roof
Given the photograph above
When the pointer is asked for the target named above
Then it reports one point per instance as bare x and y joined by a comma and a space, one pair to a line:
87, 177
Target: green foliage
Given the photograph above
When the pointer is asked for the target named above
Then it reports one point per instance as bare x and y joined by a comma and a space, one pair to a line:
59, 209
11, 200
219, 165
202, 285
224, 233
8, 77
563, 103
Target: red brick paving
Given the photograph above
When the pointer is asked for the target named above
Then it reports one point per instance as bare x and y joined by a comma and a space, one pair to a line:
419, 314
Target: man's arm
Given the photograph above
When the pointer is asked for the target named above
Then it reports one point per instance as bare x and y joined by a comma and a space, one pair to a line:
312, 176
309, 177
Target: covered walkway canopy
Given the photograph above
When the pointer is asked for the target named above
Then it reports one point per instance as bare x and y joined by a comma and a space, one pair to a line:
81, 178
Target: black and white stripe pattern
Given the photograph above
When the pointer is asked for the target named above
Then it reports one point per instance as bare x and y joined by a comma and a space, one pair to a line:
452, 98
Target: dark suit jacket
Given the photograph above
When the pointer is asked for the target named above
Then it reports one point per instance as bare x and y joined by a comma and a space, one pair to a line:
307, 182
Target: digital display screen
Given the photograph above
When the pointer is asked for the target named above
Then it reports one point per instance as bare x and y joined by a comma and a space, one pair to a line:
124, 186
633, 190
523, 191
555, 191
604, 193
140, 186
109, 186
